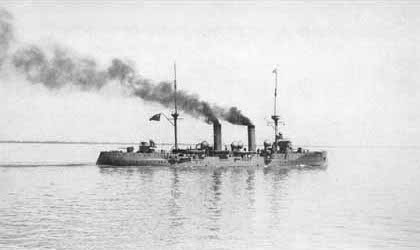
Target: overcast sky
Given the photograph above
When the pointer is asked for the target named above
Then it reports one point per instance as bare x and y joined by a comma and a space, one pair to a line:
348, 73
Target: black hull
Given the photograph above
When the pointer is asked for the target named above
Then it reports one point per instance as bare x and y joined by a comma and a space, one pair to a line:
277, 160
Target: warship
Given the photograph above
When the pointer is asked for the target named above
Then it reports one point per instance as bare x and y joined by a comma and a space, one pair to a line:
278, 154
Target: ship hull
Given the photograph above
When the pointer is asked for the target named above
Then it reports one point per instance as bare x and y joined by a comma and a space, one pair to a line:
277, 160
316, 159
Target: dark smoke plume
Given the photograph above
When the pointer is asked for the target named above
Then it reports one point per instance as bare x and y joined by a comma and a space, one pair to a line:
62, 67
163, 93
59, 70
6, 34
235, 116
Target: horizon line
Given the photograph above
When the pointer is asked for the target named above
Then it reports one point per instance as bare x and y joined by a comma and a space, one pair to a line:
185, 144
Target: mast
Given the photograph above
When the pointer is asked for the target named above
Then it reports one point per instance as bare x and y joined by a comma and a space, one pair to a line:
275, 117
175, 114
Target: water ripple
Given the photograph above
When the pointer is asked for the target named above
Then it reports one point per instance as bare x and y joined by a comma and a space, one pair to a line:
352, 205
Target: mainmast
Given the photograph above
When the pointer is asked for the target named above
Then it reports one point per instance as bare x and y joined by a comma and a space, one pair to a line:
275, 117
175, 114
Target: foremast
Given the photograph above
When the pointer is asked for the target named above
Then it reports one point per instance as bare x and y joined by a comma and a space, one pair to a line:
275, 117
175, 113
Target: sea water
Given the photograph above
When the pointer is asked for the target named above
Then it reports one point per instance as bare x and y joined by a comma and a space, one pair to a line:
53, 196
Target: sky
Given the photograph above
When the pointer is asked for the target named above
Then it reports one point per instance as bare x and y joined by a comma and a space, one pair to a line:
348, 73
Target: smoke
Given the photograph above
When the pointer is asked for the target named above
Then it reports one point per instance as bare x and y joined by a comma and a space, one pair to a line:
60, 67
235, 116
164, 94
6, 34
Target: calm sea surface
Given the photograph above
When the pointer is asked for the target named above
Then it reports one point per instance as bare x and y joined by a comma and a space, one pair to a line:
52, 196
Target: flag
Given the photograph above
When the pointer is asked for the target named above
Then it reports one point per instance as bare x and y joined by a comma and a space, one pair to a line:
274, 71
155, 117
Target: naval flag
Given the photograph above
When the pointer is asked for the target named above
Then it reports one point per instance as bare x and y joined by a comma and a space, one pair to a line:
155, 117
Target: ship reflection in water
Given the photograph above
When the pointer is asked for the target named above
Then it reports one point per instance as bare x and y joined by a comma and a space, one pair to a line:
208, 205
